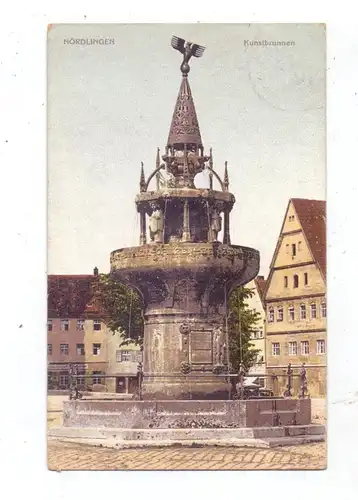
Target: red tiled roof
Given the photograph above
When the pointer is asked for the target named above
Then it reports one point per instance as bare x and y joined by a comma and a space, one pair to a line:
312, 216
70, 295
260, 283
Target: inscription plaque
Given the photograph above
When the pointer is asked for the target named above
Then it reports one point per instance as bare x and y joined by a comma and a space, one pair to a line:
201, 347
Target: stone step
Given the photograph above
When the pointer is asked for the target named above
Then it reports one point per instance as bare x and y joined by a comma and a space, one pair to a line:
158, 436
234, 442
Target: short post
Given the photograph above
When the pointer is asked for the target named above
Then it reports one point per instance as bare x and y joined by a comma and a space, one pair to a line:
303, 380
241, 375
288, 392
139, 380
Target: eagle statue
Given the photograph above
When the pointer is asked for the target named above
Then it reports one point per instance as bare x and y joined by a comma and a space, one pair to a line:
188, 49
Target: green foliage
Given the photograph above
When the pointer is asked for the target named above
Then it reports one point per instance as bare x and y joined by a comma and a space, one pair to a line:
121, 308
241, 319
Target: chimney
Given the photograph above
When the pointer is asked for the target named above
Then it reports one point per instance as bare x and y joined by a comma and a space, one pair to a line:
95, 271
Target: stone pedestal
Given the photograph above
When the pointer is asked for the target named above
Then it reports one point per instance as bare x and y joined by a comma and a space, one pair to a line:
185, 288
180, 352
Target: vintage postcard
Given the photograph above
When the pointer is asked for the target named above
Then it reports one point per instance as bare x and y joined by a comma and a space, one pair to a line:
186, 247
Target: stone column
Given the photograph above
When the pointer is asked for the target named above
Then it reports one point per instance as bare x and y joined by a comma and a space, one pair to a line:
226, 238
186, 231
143, 228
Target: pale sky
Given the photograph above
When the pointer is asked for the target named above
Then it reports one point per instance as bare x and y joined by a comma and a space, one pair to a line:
110, 106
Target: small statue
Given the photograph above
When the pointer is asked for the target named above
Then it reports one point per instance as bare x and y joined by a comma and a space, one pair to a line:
288, 392
188, 50
303, 380
156, 224
215, 224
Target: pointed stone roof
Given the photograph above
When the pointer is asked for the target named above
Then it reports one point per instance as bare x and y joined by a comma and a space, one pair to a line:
184, 129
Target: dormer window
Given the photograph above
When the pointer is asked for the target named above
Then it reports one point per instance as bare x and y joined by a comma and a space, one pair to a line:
295, 281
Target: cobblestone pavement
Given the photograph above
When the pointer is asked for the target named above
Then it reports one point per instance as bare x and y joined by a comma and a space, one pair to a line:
71, 456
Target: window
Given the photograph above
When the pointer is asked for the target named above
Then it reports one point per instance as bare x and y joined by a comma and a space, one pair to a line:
291, 218
64, 349
64, 380
287, 248
306, 278
80, 348
64, 325
96, 324
49, 325
126, 355
303, 311
295, 281
285, 280
293, 249
291, 313
275, 349
321, 346
129, 355
260, 333
80, 324
292, 348
96, 349
271, 315
254, 335
305, 347
323, 310
299, 245
261, 382
96, 379
49, 349
313, 311
280, 314
260, 359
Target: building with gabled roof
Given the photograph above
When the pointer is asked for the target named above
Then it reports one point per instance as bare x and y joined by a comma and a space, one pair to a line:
295, 298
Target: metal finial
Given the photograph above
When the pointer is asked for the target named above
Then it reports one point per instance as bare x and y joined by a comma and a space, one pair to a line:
142, 178
226, 177
188, 49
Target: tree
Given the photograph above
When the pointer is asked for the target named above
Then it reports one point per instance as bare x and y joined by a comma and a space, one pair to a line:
241, 324
121, 308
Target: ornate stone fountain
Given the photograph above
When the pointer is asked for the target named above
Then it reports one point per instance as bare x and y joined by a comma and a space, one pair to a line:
182, 271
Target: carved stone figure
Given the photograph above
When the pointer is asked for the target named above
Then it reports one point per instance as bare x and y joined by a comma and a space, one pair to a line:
218, 343
156, 225
215, 224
